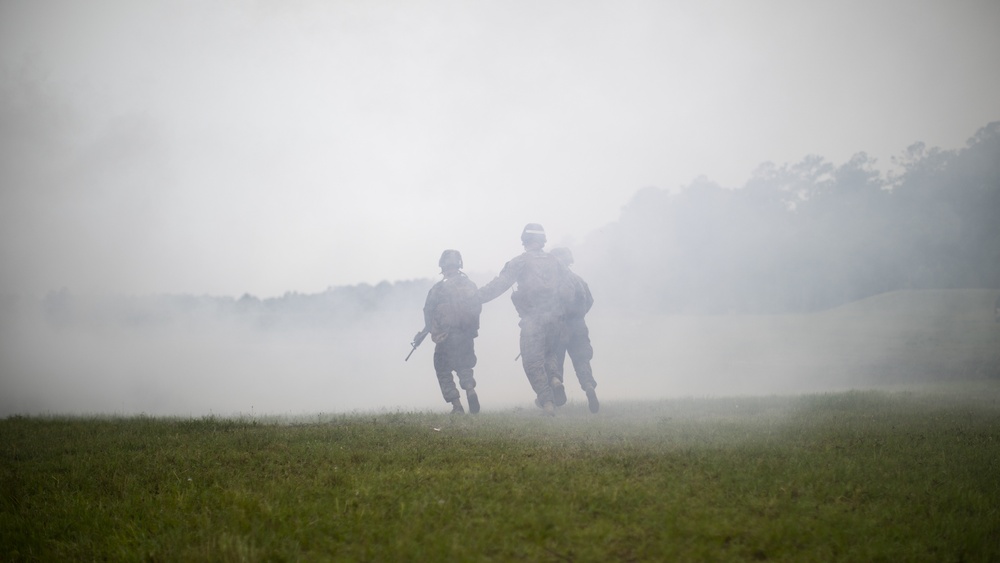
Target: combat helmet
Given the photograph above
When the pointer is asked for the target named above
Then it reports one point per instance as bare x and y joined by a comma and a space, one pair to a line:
450, 259
533, 232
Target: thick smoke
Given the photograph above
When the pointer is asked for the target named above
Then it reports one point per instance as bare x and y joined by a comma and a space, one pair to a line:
150, 148
709, 292
168, 360
200, 356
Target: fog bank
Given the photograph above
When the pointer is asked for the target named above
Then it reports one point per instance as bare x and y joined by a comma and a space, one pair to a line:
192, 365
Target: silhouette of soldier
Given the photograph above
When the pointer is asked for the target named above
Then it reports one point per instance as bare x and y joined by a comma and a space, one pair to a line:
541, 289
575, 335
451, 317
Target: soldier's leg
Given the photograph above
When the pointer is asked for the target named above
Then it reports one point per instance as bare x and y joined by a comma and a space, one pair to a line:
558, 361
466, 380
465, 360
443, 369
580, 353
555, 357
533, 359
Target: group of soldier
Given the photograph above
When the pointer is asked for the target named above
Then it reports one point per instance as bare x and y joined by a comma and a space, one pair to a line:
551, 301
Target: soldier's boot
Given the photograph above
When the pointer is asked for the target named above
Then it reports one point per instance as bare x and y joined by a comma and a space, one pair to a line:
548, 409
456, 407
473, 401
558, 392
592, 401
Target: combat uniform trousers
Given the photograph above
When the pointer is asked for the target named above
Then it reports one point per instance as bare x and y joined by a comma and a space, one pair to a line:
456, 353
576, 342
540, 336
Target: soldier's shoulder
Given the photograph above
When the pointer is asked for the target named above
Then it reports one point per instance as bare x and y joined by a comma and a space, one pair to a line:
461, 280
516, 263
533, 256
436, 288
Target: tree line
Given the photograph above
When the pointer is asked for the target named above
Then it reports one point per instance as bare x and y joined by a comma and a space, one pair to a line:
336, 307
807, 236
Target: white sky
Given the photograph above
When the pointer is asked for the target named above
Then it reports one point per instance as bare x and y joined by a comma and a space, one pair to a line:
229, 147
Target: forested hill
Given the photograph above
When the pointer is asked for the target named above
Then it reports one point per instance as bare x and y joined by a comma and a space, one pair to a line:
807, 236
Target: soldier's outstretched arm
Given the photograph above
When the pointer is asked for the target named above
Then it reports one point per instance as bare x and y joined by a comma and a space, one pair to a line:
504, 280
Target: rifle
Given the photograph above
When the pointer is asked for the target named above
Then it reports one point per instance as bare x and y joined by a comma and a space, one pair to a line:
416, 342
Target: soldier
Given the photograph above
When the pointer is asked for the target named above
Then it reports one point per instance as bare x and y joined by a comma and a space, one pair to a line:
541, 288
575, 335
451, 316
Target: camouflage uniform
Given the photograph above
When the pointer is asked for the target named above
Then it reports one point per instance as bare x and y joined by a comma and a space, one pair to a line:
538, 303
453, 326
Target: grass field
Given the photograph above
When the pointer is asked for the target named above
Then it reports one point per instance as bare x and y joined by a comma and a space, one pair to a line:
912, 475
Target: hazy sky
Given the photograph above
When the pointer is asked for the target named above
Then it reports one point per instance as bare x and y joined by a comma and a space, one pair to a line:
229, 147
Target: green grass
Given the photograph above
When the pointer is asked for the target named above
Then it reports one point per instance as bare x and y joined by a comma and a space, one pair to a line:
858, 476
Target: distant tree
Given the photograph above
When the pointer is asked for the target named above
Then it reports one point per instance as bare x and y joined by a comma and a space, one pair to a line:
946, 205
807, 236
